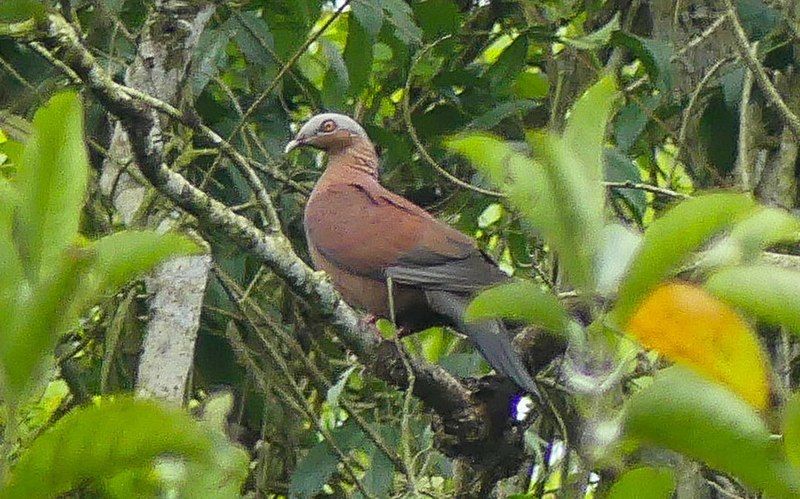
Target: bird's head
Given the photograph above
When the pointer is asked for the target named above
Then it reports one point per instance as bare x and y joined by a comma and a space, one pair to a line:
328, 132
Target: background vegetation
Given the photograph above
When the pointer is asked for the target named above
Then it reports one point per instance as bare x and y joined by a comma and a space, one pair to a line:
633, 162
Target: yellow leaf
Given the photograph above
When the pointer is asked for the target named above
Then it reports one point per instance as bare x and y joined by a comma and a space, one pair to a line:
693, 328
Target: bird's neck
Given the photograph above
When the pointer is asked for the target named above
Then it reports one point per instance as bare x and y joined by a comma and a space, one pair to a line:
356, 158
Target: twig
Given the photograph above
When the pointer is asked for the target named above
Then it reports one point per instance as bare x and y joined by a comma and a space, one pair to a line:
743, 160
244, 303
284, 69
295, 401
646, 187
413, 132
760, 74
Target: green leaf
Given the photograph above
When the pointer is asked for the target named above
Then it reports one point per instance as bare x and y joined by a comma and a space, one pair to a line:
438, 18
511, 62
40, 316
585, 131
766, 291
764, 228
791, 430
52, 181
632, 119
10, 264
597, 39
337, 80
127, 254
490, 215
531, 85
521, 301
401, 16
620, 168
369, 15
319, 464
757, 17
378, 478
96, 442
656, 56
253, 38
644, 483
435, 342
545, 194
618, 246
358, 55
576, 198
20, 10
704, 421
672, 238
336, 390
223, 475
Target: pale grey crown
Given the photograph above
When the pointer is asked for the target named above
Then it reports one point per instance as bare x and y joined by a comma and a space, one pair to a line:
311, 126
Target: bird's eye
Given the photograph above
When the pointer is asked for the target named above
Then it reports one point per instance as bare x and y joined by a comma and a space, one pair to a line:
327, 126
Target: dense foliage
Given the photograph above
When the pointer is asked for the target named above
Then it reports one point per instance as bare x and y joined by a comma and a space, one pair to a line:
633, 163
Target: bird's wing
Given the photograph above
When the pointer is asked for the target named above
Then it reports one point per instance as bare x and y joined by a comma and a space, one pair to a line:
369, 231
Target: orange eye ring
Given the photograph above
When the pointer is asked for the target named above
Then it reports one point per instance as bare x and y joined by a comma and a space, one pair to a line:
328, 126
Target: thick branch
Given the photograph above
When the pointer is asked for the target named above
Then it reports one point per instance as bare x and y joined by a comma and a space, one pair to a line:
437, 388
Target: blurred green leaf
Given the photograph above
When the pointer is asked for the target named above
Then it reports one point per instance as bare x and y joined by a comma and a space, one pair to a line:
97, 442
11, 270
672, 238
520, 301
757, 17
52, 181
768, 292
632, 120
552, 195
764, 228
437, 17
337, 80
791, 430
644, 483
223, 475
597, 39
124, 255
585, 132
704, 421
435, 343
20, 10
531, 85
40, 316
618, 246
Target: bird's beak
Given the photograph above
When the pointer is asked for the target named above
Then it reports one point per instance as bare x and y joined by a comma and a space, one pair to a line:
293, 144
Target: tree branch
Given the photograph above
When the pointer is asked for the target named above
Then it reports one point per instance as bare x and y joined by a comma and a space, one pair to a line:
764, 83
434, 386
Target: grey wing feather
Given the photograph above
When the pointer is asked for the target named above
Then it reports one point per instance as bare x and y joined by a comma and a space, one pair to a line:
464, 275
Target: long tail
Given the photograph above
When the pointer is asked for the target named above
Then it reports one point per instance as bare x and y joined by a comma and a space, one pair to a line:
490, 337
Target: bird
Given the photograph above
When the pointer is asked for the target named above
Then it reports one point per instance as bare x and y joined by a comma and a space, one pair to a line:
390, 257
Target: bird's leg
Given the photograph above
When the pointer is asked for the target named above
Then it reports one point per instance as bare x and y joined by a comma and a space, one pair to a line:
390, 290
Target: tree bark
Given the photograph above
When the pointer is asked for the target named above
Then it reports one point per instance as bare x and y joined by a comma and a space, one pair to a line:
177, 287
